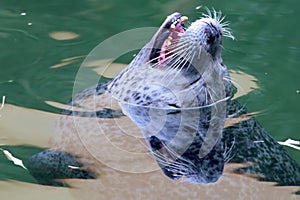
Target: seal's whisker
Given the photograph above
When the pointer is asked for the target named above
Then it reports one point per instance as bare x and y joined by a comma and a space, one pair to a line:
217, 15
214, 97
170, 163
227, 33
222, 19
175, 47
173, 154
182, 53
229, 155
190, 60
161, 158
186, 57
179, 67
174, 65
200, 91
180, 63
178, 167
225, 24
175, 164
158, 64
176, 43
176, 50
207, 96
186, 163
208, 14
239, 111
163, 161
212, 93
170, 56
176, 155
199, 53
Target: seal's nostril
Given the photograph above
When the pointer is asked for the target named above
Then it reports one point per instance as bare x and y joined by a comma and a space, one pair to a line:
213, 34
210, 39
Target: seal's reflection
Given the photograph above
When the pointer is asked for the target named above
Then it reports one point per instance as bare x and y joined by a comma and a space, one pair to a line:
181, 142
243, 141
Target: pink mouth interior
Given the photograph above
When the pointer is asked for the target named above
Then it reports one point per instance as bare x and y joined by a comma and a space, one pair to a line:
170, 44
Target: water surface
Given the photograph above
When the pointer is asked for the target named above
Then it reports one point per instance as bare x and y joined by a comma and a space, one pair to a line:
44, 43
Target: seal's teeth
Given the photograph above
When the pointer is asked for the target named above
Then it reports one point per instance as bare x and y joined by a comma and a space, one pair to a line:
172, 26
169, 44
169, 41
183, 18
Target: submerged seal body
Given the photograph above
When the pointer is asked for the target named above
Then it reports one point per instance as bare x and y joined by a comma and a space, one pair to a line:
175, 90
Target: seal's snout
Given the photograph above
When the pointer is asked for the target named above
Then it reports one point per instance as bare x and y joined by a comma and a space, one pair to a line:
213, 33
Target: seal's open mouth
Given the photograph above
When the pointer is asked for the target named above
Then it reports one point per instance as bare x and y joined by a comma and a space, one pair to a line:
165, 42
177, 30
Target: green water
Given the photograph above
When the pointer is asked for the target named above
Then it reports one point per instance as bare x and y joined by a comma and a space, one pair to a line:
267, 46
